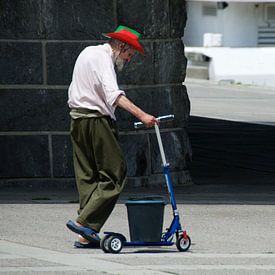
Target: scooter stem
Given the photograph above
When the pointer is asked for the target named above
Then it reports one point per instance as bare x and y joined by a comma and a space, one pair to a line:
163, 158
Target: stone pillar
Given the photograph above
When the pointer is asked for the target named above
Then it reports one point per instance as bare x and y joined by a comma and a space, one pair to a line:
39, 42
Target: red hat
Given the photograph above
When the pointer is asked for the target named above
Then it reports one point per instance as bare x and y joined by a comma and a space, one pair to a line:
128, 36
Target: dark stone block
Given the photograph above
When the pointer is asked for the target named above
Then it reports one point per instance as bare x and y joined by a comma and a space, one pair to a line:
181, 106
157, 101
62, 156
140, 70
137, 155
61, 58
177, 178
78, 19
20, 63
137, 182
20, 19
170, 62
150, 17
34, 110
178, 17
24, 156
176, 147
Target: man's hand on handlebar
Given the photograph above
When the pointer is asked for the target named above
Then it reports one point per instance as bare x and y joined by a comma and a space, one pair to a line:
149, 120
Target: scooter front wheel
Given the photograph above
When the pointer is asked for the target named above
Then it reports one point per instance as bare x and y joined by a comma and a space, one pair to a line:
104, 243
183, 243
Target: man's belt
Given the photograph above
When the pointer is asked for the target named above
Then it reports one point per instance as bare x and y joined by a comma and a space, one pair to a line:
84, 113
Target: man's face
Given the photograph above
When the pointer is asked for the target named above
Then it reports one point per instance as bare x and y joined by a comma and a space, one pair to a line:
125, 56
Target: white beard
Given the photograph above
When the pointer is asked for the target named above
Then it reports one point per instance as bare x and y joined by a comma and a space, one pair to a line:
119, 63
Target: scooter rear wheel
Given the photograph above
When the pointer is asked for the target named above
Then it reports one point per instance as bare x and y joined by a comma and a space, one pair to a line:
114, 244
183, 244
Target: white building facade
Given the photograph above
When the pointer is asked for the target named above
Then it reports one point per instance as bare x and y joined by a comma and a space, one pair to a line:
237, 37
241, 23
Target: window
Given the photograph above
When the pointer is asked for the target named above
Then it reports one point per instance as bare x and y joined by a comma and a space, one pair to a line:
210, 10
270, 13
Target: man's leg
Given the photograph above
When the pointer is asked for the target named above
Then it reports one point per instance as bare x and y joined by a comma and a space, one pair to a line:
84, 166
108, 161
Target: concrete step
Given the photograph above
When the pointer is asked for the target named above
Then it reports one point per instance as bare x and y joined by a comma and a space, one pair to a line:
198, 72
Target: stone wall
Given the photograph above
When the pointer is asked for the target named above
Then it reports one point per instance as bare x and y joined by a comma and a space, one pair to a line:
39, 43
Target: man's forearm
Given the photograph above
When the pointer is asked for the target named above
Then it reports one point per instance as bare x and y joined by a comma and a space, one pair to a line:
123, 102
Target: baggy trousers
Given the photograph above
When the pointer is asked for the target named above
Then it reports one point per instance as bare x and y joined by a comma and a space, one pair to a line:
100, 168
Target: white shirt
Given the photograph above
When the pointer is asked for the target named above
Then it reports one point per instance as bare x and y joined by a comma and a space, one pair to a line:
94, 82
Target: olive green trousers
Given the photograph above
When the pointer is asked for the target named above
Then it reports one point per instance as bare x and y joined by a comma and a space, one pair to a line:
100, 168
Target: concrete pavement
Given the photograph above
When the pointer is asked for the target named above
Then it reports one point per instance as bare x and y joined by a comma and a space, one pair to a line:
232, 232
233, 102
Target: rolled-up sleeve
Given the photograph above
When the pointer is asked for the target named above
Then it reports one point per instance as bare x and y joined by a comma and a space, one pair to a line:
110, 86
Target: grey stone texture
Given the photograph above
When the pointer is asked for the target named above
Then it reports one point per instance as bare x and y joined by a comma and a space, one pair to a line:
140, 70
39, 43
59, 20
24, 156
159, 101
170, 62
60, 61
151, 17
34, 110
176, 144
163, 63
20, 63
77, 20
20, 20
62, 156
137, 152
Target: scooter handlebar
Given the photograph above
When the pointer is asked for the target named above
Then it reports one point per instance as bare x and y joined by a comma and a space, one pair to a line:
161, 119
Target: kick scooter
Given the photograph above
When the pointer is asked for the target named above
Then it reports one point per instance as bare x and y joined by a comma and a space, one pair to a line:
113, 242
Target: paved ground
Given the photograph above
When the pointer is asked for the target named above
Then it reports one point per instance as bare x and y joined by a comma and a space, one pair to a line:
241, 103
228, 213
232, 232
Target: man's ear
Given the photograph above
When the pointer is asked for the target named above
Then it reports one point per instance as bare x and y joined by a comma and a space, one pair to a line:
120, 46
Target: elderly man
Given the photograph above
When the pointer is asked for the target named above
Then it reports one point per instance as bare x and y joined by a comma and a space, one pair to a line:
99, 165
